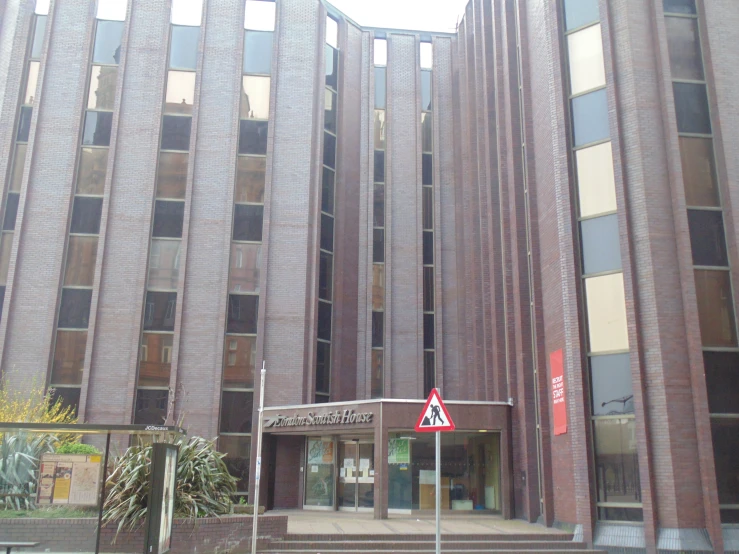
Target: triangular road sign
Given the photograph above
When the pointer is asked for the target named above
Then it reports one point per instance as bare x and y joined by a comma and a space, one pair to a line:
434, 416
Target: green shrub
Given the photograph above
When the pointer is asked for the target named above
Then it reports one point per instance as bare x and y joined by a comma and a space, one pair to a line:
77, 448
19, 461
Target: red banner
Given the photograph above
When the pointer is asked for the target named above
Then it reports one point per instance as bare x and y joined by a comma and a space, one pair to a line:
559, 405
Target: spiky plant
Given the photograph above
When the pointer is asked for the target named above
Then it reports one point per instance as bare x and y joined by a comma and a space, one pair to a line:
203, 489
19, 461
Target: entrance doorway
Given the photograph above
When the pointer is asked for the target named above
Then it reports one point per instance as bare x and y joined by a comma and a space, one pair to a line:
356, 490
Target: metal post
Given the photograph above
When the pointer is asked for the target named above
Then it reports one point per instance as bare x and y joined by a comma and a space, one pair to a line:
438, 492
258, 472
102, 494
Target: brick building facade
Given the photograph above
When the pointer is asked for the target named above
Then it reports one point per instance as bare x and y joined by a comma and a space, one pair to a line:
194, 188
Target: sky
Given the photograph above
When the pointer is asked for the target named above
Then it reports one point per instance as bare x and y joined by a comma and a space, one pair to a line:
417, 15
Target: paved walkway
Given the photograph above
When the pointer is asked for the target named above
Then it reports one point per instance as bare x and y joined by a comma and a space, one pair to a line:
325, 523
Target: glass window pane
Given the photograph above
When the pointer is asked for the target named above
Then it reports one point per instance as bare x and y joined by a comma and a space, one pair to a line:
69, 358
86, 215
31, 82
380, 88
378, 287
427, 169
327, 192
378, 213
253, 137
426, 90
11, 211
250, 178
187, 12
38, 36
427, 55
24, 124
246, 263
239, 360
380, 129
620, 514
74, 310
258, 52
427, 132
590, 117
168, 219
329, 150
323, 367
242, 313
428, 332
151, 407
332, 67
429, 372
164, 264
255, 96
691, 107
180, 92
380, 51
259, 15
601, 248
70, 397
379, 166
327, 232
377, 373
248, 222
325, 276
172, 175
581, 12
699, 171
160, 311
81, 256
684, 47
97, 128
183, 51
615, 455
378, 245
155, 363
6, 245
427, 208
610, 381
176, 132
428, 248
112, 10
606, 307
596, 183
428, 289
329, 120
680, 6
102, 88
19, 161
587, 70
726, 456
722, 381
324, 320
236, 412
237, 451
378, 326
707, 238
332, 32
715, 307
107, 48
92, 170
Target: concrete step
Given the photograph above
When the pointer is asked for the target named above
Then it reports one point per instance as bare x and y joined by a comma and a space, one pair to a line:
432, 551
415, 546
397, 538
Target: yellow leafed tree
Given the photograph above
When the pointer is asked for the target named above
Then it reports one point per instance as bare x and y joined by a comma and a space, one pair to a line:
36, 406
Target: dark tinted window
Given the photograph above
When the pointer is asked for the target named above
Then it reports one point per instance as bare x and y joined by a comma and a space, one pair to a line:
248, 222
176, 132
258, 52
699, 171
160, 311
332, 67
615, 454
428, 248
691, 107
11, 211
323, 367
601, 250
427, 132
428, 331
242, 313
253, 136
172, 174
379, 206
427, 165
677, 6
427, 208
429, 372
325, 276
726, 455
428, 289
620, 514
707, 238
168, 218
722, 381
108, 42
380, 87
327, 232
151, 407
590, 117
610, 378
250, 179
580, 12
329, 150
715, 307
426, 90
183, 52
329, 122
324, 320
684, 48
24, 124
378, 245
92, 169
86, 215
237, 450
327, 192
378, 329
379, 166
2, 298
38, 36
74, 311
70, 396
236, 412
97, 128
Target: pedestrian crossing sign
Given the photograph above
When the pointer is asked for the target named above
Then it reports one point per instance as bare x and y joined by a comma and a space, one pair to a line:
434, 416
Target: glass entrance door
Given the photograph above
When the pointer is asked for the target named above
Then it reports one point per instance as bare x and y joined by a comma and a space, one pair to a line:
356, 490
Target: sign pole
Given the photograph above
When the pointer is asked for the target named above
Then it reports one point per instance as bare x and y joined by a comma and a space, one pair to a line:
258, 472
438, 492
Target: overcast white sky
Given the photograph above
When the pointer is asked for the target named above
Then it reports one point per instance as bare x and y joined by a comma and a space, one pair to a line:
417, 15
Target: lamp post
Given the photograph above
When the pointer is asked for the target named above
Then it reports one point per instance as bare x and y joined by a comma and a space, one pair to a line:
258, 472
